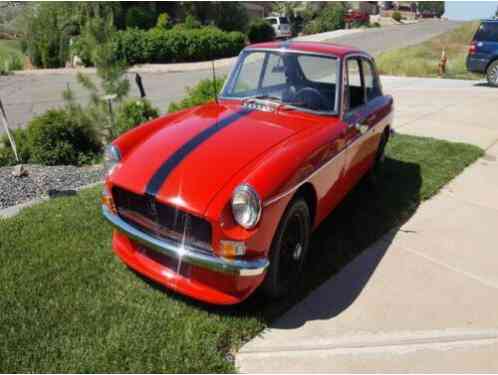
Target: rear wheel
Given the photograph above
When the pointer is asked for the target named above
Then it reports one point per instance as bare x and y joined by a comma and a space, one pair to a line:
288, 251
492, 74
380, 157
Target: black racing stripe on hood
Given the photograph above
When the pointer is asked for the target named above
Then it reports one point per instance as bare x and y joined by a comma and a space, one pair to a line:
174, 160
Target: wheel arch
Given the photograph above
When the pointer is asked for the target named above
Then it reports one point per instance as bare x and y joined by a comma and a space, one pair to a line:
491, 61
308, 193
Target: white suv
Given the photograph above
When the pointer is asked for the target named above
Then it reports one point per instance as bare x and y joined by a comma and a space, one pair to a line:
281, 26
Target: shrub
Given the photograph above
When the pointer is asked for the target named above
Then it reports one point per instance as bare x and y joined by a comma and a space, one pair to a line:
197, 95
191, 22
62, 137
260, 31
331, 18
163, 21
139, 17
7, 157
22, 146
176, 45
397, 16
132, 113
10, 63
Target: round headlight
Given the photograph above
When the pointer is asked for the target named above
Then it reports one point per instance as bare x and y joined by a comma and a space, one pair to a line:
112, 157
246, 206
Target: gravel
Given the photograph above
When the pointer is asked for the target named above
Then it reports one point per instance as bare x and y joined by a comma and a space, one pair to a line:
43, 182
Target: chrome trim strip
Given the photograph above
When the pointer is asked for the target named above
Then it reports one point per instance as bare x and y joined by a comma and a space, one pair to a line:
188, 254
277, 197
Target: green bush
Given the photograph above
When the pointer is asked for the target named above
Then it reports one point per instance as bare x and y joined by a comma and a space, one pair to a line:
397, 16
176, 45
330, 18
197, 95
10, 63
260, 31
163, 21
132, 113
63, 137
140, 17
22, 146
7, 157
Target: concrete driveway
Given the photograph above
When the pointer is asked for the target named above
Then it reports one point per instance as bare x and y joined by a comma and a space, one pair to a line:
425, 296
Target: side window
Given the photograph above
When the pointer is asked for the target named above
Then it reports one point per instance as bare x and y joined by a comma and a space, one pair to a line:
354, 90
272, 21
371, 80
275, 71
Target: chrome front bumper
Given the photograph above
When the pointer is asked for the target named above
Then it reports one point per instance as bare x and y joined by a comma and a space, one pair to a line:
190, 255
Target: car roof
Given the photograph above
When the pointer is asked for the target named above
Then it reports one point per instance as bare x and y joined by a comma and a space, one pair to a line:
338, 50
490, 21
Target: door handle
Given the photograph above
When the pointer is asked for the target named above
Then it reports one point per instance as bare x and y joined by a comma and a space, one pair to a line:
361, 127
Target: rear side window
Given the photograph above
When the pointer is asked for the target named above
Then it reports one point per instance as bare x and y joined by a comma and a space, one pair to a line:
488, 31
272, 21
283, 20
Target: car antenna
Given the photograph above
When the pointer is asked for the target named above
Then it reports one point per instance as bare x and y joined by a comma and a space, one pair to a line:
214, 82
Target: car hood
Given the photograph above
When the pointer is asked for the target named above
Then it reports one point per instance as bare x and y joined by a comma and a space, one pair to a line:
191, 157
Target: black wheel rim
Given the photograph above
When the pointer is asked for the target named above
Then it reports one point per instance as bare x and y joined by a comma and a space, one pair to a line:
292, 250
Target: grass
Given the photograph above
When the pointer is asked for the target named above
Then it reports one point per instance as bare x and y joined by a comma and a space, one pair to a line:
11, 56
421, 60
69, 305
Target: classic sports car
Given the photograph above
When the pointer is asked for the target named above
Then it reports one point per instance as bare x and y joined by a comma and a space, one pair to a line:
217, 200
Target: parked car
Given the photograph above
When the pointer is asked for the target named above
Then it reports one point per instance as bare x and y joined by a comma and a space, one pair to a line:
220, 199
358, 16
483, 51
281, 26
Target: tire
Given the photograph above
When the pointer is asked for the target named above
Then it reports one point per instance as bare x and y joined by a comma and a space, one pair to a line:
288, 251
380, 157
492, 74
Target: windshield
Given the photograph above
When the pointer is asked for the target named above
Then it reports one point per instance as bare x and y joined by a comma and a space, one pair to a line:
299, 80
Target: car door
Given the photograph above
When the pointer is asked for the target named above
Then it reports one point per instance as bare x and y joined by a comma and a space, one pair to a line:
362, 111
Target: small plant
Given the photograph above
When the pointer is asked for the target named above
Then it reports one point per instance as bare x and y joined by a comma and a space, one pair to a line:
197, 95
260, 31
63, 137
7, 156
132, 113
139, 17
397, 16
163, 21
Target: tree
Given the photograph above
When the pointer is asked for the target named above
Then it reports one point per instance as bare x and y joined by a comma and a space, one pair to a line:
437, 7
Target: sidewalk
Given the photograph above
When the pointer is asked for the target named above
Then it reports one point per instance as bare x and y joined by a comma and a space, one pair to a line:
425, 296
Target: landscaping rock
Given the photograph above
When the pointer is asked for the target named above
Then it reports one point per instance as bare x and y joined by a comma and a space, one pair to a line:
43, 181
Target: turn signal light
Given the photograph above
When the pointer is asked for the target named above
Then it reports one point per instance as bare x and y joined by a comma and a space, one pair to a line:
231, 249
107, 200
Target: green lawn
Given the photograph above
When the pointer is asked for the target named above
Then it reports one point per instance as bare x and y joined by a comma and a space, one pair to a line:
10, 52
421, 60
69, 305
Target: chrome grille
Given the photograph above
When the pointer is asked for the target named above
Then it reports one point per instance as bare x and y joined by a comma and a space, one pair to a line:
161, 220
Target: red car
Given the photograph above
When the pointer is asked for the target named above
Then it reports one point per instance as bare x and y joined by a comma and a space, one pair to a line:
356, 16
218, 200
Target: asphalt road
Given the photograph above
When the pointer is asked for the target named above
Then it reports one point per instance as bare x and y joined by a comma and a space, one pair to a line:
26, 95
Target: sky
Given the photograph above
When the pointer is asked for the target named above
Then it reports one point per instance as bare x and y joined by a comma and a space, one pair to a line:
470, 10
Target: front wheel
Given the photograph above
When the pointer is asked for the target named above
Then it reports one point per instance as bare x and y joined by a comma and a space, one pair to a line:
288, 251
492, 74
